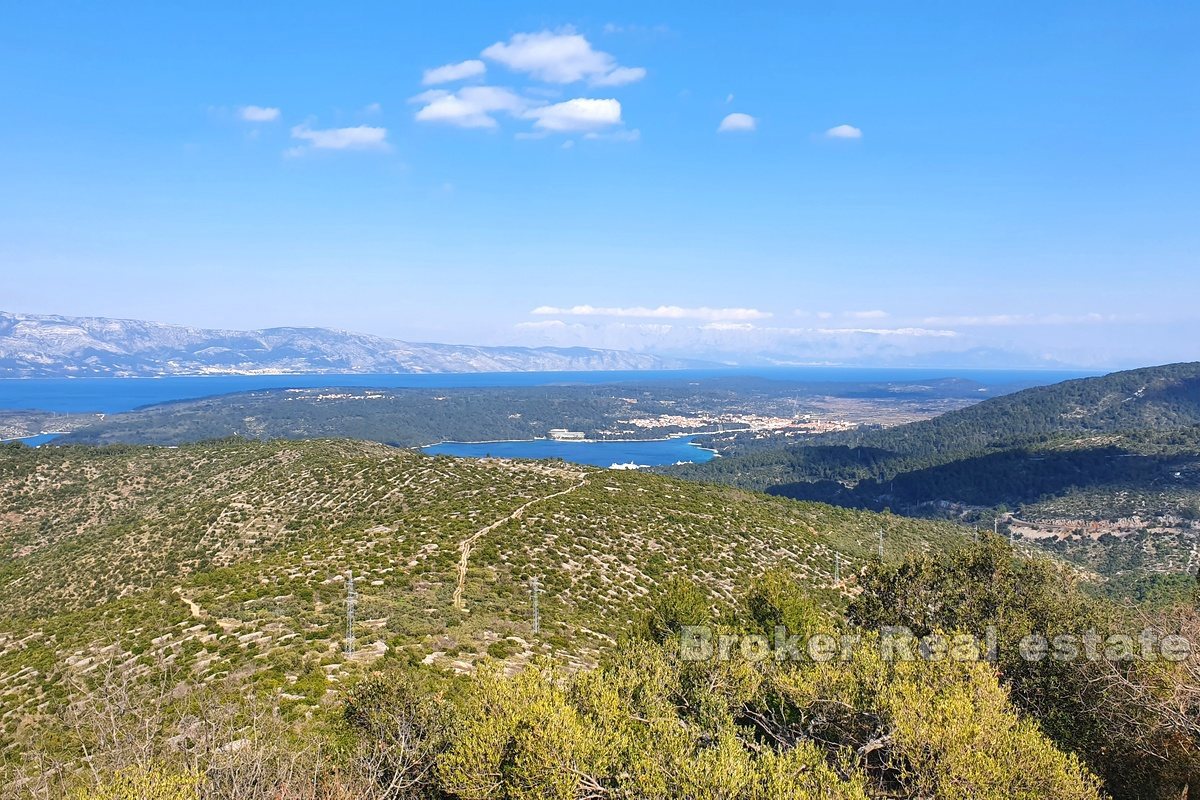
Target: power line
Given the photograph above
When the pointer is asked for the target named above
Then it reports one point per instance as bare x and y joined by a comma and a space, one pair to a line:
533, 595
351, 603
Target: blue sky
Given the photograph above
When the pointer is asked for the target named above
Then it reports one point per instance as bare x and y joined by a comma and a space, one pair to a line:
1016, 181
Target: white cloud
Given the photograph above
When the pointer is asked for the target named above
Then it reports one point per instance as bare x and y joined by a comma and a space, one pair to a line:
916, 332
842, 332
561, 57
620, 76
617, 136
873, 314
361, 137
545, 325
1005, 320
469, 107
661, 312
991, 319
372, 108
737, 122
727, 326
453, 72
580, 114
738, 340
258, 113
843, 132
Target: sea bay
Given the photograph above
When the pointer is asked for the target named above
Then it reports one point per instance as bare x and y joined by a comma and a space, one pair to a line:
616, 454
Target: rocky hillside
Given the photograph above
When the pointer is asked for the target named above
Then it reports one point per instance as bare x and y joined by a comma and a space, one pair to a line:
54, 346
233, 557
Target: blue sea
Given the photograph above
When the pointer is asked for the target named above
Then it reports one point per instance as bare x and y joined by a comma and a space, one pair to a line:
39, 440
625, 454
114, 395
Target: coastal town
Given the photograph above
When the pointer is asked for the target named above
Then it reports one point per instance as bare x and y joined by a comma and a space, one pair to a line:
728, 422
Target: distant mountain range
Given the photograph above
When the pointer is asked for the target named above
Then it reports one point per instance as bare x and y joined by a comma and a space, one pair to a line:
55, 346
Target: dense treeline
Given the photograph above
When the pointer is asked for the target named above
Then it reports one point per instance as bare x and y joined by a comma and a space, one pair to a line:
1015, 477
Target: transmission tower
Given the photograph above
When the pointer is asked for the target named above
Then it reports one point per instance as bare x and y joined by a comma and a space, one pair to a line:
533, 596
837, 568
351, 603
881, 544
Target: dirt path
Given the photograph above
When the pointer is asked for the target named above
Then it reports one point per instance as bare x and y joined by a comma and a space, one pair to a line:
193, 606
465, 547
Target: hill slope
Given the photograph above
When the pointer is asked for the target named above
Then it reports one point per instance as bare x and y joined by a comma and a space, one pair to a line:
55, 346
1154, 399
1151, 398
232, 556
1117, 454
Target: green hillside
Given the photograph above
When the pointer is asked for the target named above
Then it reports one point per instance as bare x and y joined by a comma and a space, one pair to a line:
231, 557
1149, 399
1116, 455
175, 623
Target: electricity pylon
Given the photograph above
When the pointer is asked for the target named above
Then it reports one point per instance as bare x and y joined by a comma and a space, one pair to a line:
533, 595
351, 603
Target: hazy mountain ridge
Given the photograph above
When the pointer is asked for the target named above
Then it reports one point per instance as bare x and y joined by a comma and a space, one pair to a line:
47, 346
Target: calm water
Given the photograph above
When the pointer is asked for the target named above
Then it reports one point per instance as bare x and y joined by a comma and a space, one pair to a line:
40, 439
596, 454
113, 395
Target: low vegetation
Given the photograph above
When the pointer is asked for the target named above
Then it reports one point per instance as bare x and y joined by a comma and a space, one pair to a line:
231, 558
651, 719
176, 629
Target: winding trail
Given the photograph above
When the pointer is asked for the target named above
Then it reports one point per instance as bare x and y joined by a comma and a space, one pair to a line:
465, 546
193, 607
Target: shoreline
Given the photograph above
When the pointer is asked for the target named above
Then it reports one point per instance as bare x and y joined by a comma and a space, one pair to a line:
666, 438
35, 436
629, 465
